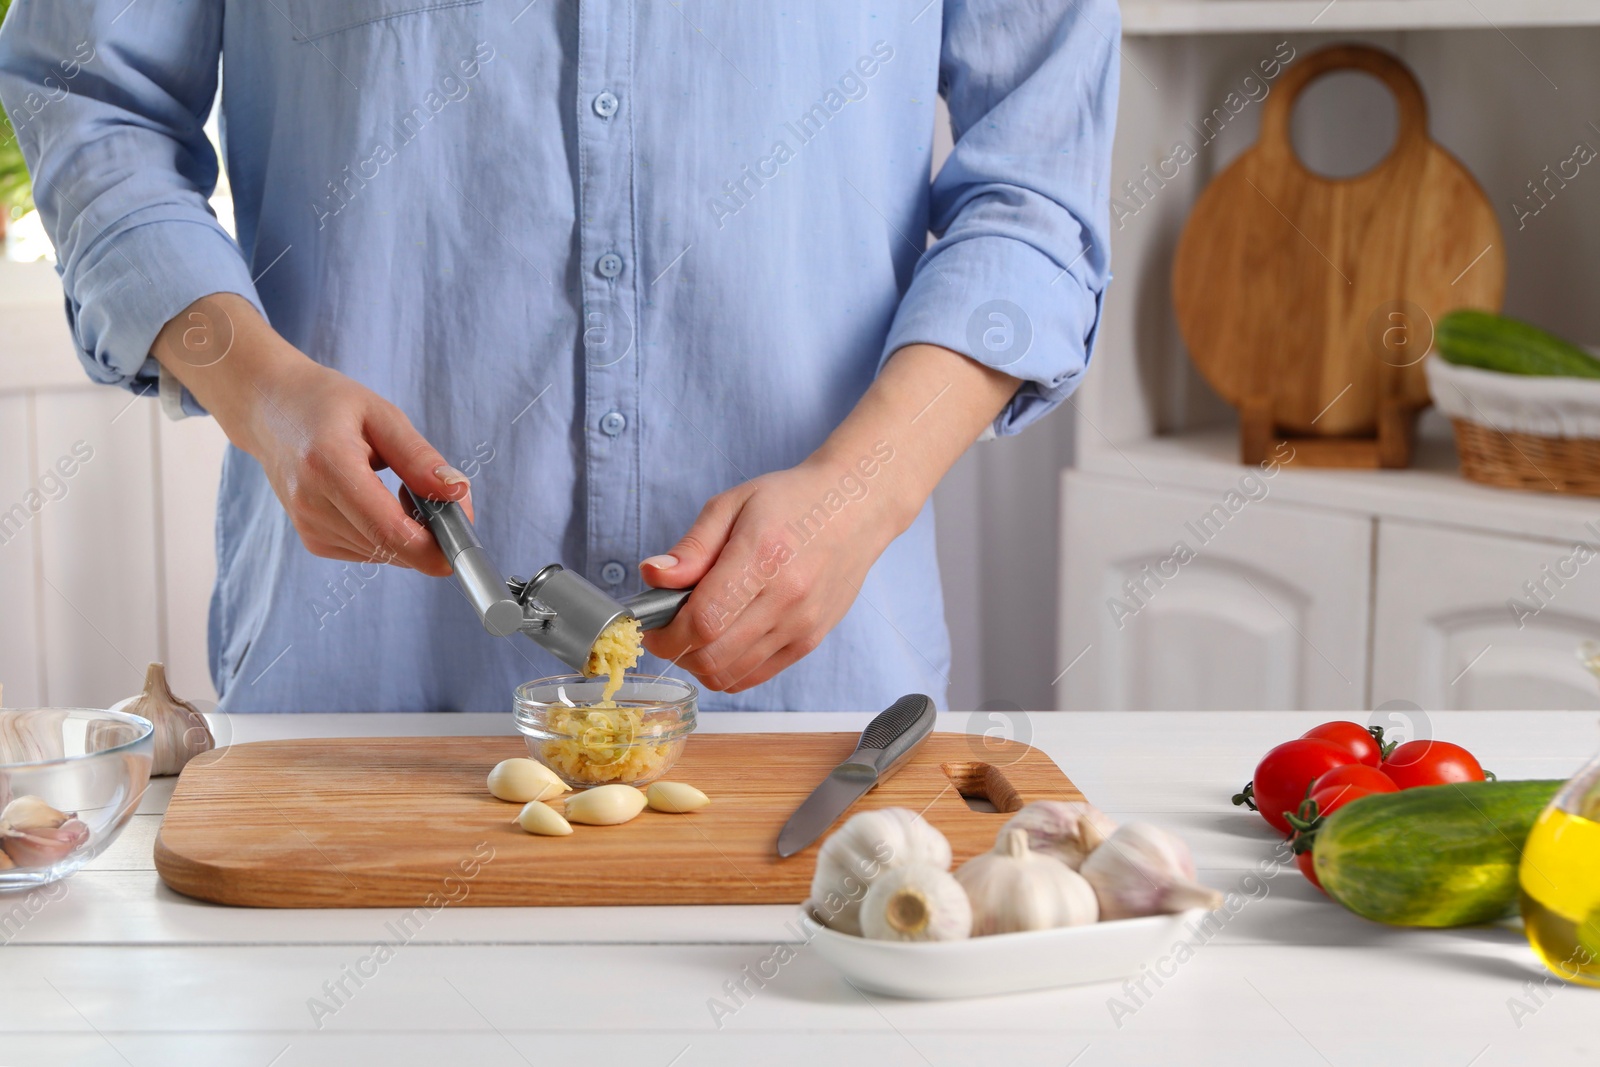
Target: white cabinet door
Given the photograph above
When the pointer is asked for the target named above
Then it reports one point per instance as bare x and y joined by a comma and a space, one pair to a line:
1469, 620
1177, 600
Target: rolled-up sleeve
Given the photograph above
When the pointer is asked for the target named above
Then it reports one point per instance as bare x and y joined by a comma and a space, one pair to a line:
1020, 208
109, 101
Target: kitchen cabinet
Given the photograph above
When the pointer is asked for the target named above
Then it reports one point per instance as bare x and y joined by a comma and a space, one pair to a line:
106, 517
1151, 439
1472, 621
1187, 601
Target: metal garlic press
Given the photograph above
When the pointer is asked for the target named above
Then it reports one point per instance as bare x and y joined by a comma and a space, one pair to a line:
562, 611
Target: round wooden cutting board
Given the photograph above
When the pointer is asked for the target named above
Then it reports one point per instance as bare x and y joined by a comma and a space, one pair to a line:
1310, 299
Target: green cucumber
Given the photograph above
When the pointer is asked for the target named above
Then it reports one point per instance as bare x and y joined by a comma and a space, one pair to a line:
1473, 338
1438, 855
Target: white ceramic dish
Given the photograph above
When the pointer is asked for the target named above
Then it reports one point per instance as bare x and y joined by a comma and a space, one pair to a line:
1003, 963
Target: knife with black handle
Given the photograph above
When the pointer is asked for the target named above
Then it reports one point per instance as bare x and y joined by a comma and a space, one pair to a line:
885, 744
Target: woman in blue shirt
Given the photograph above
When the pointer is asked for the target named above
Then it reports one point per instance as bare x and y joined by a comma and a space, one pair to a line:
650, 278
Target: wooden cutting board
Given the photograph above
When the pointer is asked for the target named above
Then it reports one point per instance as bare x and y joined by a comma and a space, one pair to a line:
1308, 302
408, 821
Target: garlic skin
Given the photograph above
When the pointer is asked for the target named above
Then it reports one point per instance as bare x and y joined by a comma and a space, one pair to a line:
675, 798
181, 732
605, 805
1012, 888
859, 852
537, 817
522, 780
1067, 830
916, 902
1145, 870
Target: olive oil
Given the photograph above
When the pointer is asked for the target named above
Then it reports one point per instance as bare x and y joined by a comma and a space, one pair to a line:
1560, 881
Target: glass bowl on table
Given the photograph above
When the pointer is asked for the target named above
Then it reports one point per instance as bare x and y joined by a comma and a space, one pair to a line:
70, 779
569, 729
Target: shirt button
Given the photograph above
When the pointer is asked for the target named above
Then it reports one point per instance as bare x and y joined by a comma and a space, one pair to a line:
605, 105
613, 573
613, 423
609, 265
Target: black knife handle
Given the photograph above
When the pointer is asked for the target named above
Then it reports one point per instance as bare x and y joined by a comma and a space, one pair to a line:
895, 731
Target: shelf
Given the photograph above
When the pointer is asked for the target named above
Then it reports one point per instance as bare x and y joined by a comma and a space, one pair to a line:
1160, 17
1431, 491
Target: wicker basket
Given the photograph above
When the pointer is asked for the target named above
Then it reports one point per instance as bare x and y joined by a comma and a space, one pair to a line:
1521, 431
1515, 460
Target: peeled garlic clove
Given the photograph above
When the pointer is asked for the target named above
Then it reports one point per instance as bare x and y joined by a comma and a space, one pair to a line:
1145, 870
30, 813
1067, 830
605, 805
916, 902
44, 847
675, 797
522, 780
181, 732
538, 817
859, 852
1012, 888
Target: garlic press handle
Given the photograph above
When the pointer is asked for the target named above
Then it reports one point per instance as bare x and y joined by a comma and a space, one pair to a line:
655, 608
478, 577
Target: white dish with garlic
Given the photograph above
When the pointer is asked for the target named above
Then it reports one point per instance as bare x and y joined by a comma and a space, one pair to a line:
1064, 897
1002, 963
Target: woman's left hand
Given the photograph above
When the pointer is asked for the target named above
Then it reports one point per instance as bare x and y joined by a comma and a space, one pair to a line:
779, 560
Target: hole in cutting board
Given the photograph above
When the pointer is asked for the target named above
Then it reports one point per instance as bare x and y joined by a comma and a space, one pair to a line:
983, 786
1344, 124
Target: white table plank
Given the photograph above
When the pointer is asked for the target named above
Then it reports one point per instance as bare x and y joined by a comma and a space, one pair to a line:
120, 970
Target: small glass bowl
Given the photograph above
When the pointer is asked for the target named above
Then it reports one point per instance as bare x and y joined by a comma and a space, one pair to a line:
94, 764
633, 744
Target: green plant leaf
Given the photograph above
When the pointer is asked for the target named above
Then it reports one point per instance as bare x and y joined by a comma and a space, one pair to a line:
16, 189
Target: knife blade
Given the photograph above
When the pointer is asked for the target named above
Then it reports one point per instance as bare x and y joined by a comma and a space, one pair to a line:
885, 744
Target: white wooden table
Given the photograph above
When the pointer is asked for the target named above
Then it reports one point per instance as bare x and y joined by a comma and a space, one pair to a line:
118, 970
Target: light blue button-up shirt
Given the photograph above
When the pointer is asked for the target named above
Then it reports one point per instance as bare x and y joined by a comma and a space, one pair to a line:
610, 257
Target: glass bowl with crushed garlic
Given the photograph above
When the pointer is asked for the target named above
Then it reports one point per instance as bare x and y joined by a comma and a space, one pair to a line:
633, 738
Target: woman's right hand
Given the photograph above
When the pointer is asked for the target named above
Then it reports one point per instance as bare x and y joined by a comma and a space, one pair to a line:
320, 436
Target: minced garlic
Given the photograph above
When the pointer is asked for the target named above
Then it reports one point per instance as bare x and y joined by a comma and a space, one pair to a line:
605, 743
616, 649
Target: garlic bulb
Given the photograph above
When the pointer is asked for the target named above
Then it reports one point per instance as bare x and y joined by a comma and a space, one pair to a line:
181, 732
859, 852
1067, 830
522, 780
537, 817
605, 805
33, 834
1012, 888
676, 798
1144, 870
916, 902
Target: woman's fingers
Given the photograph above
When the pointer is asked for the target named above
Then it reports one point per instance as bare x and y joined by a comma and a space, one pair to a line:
322, 438
725, 678
703, 617
786, 658
327, 533
377, 517
416, 462
749, 593
688, 560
